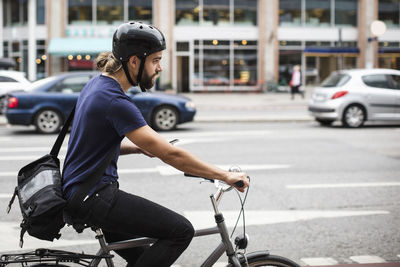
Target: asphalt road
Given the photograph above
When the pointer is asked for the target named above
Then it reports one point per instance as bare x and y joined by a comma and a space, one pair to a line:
318, 195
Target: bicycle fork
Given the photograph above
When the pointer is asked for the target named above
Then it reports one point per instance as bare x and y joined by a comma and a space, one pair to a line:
226, 244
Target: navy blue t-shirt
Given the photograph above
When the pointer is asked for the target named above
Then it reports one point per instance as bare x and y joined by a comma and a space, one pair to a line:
103, 115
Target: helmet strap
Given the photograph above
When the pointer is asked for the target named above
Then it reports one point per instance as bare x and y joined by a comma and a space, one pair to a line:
139, 76
128, 76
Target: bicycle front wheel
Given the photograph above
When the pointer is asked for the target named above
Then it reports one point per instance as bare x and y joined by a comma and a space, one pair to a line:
48, 265
261, 259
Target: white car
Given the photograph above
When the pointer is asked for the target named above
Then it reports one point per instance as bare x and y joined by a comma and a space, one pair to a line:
11, 81
355, 96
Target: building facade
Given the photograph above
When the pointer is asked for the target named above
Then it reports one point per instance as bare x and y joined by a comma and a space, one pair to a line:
212, 45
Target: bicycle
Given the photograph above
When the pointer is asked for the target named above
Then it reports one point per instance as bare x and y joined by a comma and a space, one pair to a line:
235, 251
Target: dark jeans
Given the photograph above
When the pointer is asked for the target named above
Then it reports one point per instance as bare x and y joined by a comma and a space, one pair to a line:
124, 216
296, 90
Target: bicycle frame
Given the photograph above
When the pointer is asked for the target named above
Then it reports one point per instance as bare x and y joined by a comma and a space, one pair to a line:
224, 246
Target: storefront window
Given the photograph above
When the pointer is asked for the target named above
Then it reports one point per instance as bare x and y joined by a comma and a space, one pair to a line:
5, 49
80, 11
245, 67
287, 59
220, 64
318, 13
346, 12
14, 12
216, 67
245, 12
5, 13
216, 12
40, 12
187, 12
318, 44
141, 10
24, 6
389, 12
197, 79
110, 12
290, 12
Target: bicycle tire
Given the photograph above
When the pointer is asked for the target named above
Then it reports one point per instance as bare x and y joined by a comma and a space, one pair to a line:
48, 265
260, 259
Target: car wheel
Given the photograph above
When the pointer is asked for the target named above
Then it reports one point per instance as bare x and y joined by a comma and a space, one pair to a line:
164, 118
324, 122
3, 104
353, 116
48, 121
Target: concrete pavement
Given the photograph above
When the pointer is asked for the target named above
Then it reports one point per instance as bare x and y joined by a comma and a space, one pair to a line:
228, 107
250, 107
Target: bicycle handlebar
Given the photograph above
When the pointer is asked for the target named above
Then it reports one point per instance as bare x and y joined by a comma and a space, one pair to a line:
238, 183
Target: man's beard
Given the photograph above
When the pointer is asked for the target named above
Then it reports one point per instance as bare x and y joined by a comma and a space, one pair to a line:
146, 81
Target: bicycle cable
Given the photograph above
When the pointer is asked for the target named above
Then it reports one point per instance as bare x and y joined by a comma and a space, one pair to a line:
242, 203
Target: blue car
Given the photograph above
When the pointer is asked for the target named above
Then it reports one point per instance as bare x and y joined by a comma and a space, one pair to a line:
49, 101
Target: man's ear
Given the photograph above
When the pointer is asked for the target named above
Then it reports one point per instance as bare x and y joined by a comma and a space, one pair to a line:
134, 61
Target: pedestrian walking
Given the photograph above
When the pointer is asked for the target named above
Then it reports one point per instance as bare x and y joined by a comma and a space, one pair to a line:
295, 82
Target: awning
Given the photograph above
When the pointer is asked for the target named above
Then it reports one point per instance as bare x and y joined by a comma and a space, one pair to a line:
384, 50
79, 46
332, 50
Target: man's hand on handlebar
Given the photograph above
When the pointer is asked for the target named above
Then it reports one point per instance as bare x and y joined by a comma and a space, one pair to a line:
239, 180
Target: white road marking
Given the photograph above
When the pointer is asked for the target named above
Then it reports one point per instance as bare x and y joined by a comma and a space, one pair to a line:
6, 174
204, 219
143, 170
10, 231
243, 134
220, 264
319, 261
341, 185
168, 170
31, 157
367, 259
28, 149
6, 195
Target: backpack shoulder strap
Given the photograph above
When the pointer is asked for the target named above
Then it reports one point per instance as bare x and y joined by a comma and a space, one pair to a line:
61, 136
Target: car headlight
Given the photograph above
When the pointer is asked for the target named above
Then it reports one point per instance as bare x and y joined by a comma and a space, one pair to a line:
190, 105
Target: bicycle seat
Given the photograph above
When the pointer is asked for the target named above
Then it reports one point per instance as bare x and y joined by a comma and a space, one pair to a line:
78, 224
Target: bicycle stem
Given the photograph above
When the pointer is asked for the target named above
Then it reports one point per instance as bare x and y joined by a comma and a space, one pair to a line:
215, 199
220, 221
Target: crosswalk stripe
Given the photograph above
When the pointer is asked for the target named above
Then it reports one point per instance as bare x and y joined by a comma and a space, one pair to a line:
203, 219
28, 149
319, 261
32, 157
6, 174
220, 264
341, 185
367, 259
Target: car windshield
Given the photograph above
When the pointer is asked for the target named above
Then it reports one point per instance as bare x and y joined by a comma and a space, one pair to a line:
336, 80
39, 83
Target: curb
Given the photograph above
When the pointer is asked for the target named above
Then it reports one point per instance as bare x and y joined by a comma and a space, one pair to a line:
222, 119
3, 120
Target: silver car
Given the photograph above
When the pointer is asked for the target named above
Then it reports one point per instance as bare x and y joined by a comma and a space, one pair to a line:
355, 96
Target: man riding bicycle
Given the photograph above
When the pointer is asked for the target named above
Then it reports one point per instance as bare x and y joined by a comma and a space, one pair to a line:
104, 116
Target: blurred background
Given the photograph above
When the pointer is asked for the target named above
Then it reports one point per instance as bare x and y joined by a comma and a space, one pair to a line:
213, 45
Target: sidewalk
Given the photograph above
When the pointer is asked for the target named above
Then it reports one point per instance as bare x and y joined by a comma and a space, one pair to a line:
250, 107
230, 107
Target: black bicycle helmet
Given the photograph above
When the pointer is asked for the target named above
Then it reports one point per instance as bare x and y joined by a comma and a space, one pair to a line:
139, 39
